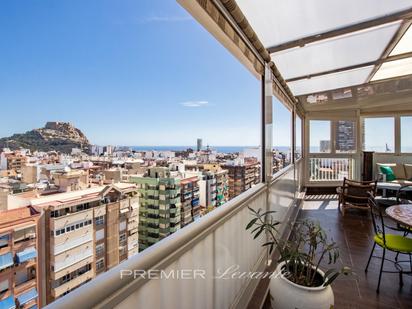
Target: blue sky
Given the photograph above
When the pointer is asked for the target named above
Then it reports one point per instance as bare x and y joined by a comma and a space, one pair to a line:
130, 72
125, 72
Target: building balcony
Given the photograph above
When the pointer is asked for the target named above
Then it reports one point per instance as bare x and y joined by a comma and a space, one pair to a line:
132, 225
134, 201
125, 203
21, 245
175, 220
25, 286
153, 211
57, 292
62, 222
27, 299
152, 230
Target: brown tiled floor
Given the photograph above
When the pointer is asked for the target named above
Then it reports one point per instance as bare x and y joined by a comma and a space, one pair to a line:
354, 234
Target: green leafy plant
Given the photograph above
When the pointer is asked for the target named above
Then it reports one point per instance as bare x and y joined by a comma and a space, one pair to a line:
303, 253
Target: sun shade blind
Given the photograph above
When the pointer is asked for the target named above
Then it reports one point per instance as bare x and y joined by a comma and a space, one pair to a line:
222, 22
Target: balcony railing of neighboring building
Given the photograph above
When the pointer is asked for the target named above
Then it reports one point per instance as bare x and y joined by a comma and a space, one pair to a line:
206, 244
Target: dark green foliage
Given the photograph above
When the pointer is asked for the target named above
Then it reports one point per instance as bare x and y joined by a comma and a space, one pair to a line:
307, 247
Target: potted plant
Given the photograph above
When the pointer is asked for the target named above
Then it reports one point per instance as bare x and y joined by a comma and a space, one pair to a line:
298, 281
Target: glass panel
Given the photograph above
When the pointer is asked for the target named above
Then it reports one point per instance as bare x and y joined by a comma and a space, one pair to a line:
379, 134
298, 137
279, 21
340, 52
345, 136
319, 139
394, 68
330, 81
406, 136
282, 135
404, 45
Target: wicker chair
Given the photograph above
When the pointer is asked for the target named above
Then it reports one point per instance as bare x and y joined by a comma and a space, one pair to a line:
354, 194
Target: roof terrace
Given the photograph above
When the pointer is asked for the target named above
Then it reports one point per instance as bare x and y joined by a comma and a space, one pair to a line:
343, 69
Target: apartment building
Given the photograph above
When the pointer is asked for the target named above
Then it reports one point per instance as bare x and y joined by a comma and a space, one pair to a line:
242, 177
160, 204
86, 232
222, 182
12, 161
345, 136
70, 180
207, 188
222, 187
30, 173
19, 267
189, 196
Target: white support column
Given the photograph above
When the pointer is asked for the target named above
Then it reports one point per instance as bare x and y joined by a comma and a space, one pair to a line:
359, 147
268, 124
293, 150
397, 135
306, 150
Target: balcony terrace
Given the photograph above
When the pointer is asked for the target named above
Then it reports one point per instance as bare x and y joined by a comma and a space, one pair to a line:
344, 74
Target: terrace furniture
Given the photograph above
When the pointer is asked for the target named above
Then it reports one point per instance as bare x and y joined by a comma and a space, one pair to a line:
402, 195
400, 244
401, 213
395, 173
354, 194
393, 186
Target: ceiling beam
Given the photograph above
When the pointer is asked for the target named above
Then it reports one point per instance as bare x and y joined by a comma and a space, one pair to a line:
302, 97
352, 67
391, 45
404, 14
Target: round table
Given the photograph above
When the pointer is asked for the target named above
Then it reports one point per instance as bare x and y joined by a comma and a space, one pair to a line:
401, 214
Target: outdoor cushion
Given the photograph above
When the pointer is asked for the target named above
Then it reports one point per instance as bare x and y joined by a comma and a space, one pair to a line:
408, 171
395, 242
399, 171
402, 182
387, 170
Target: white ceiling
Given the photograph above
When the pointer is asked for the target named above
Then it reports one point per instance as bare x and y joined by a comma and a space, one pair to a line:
280, 21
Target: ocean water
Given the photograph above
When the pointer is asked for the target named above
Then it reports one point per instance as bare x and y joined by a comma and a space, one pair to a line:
225, 149
222, 149
233, 149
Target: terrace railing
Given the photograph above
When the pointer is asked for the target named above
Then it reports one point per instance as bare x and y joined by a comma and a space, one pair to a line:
330, 169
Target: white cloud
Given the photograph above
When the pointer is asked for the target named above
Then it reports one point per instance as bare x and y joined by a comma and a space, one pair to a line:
194, 103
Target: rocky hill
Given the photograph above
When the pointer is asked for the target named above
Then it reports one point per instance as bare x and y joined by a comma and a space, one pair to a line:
58, 136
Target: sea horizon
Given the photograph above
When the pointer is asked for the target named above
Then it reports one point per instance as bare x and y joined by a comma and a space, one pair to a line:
222, 149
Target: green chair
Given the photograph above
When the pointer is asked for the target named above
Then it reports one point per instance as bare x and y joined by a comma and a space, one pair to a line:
400, 244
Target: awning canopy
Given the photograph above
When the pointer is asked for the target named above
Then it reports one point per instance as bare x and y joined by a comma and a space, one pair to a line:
6, 260
321, 45
27, 254
7, 303
4, 240
27, 296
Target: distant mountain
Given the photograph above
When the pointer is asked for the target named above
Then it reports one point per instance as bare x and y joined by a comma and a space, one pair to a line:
58, 136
